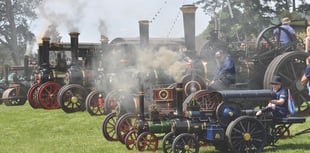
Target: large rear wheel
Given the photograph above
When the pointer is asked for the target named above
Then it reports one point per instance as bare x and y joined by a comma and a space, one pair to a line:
246, 135
108, 127
290, 67
72, 98
47, 95
95, 102
186, 143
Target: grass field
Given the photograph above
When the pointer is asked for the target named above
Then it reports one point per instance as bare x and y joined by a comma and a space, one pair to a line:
27, 130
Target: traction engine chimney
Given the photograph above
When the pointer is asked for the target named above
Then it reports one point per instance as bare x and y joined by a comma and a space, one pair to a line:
144, 33
44, 52
179, 98
189, 27
74, 36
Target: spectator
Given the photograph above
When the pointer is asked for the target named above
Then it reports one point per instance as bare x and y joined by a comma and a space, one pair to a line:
305, 78
282, 35
307, 40
226, 73
278, 107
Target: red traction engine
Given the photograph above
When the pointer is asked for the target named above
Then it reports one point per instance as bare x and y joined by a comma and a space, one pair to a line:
48, 78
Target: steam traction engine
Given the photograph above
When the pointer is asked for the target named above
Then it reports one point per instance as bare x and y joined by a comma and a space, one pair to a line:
47, 77
15, 85
222, 122
135, 129
143, 133
80, 78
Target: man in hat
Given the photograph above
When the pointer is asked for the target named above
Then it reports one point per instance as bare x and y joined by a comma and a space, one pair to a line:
278, 107
226, 73
283, 35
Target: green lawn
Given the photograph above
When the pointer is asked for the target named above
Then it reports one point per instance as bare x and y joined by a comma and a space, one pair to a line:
27, 130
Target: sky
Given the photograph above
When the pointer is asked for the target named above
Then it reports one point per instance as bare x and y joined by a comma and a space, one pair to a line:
114, 18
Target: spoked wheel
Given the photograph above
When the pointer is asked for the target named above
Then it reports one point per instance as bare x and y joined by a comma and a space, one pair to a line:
31, 96
108, 127
267, 47
281, 131
47, 95
95, 103
147, 141
72, 98
290, 67
192, 83
124, 124
110, 101
2, 89
204, 98
167, 142
227, 112
14, 96
185, 142
121, 101
130, 139
246, 135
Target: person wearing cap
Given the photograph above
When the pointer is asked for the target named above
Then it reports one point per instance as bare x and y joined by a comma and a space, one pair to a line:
278, 107
282, 35
226, 73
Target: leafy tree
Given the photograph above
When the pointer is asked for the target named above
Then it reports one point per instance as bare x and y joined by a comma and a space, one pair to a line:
242, 20
14, 28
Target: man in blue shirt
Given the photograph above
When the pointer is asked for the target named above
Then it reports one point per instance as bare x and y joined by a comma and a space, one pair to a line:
306, 77
279, 106
282, 35
226, 73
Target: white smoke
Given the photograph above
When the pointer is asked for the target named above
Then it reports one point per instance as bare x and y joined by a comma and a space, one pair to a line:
69, 14
164, 59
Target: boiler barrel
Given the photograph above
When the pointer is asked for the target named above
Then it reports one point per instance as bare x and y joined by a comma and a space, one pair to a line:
82, 77
248, 97
187, 126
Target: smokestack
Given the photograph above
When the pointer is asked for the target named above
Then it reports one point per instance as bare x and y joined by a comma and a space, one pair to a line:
144, 33
40, 54
104, 39
26, 66
189, 26
44, 53
141, 98
179, 98
6, 73
74, 36
104, 42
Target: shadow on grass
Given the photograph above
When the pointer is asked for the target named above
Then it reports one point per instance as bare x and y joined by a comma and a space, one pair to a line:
285, 147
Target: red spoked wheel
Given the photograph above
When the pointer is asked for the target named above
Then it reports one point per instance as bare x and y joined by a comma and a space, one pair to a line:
31, 96
95, 103
47, 95
110, 101
147, 141
108, 127
130, 139
72, 98
124, 124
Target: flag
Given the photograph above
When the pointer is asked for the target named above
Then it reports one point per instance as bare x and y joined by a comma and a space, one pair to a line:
291, 103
